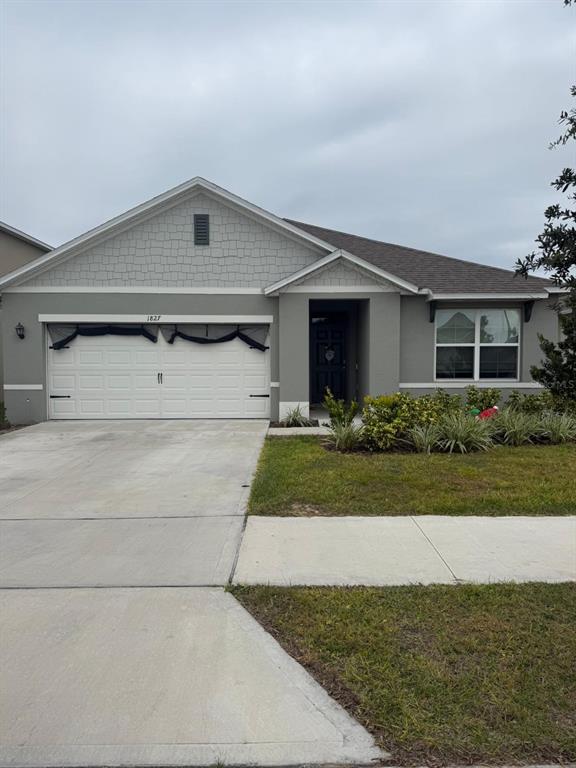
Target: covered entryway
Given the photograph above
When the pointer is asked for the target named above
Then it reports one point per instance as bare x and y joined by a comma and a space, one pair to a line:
336, 346
136, 377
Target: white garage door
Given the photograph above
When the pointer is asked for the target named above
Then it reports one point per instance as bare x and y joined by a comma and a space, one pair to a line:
120, 377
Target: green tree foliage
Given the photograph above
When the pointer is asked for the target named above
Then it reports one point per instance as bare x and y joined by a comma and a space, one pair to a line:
556, 257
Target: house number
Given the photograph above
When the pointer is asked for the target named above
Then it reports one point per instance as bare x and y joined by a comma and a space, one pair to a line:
153, 318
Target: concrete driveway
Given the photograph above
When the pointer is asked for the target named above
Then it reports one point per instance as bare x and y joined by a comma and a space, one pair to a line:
126, 503
116, 645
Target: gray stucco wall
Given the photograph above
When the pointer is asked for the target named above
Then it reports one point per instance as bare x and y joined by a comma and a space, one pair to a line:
27, 358
14, 253
379, 322
384, 325
417, 337
416, 340
243, 252
544, 320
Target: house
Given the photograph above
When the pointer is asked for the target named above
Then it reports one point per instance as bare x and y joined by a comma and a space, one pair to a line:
16, 248
198, 303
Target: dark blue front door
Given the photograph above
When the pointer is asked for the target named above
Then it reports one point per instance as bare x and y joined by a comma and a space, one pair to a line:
328, 356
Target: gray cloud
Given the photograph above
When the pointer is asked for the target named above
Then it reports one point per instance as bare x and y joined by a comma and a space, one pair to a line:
422, 123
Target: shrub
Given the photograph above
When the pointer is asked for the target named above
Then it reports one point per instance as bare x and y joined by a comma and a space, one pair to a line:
530, 403
463, 433
385, 418
3, 422
295, 418
482, 398
557, 427
512, 427
344, 437
423, 438
446, 402
388, 418
339, 412
539, 403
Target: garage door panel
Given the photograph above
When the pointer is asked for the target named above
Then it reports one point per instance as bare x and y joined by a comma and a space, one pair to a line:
119, 409
147, 408
119, 382
175, 408
90, 408
117, 377
90, 357
62, 381
258, 408
90, 382
63, 409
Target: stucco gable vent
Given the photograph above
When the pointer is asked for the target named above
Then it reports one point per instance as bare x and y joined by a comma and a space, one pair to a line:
201, 229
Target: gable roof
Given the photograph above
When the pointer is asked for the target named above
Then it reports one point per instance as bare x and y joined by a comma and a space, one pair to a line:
434, 274
24, 237
330, 258
411, 269
151, 208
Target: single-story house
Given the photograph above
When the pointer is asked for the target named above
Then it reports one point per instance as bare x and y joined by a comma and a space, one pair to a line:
16, 248
198, 303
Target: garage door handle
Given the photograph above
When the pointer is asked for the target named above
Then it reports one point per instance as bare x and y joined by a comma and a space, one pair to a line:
59, 397
259, 395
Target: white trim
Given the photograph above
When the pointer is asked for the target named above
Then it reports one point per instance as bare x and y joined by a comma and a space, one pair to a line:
24, 237
275, 384
156, 318
481, 384
23, 386
374, 288
286, 406
151, 207
212, 290
483, 296
329, 259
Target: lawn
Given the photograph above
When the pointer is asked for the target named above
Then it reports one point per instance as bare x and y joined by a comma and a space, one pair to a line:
457, 674
298, 476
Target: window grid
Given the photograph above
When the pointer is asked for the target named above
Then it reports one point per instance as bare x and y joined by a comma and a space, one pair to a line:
477, 345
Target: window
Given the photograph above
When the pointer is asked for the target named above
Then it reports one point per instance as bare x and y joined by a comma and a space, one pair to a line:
473, 344
201, 229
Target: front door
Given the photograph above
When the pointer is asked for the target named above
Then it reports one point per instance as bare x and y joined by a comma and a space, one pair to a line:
328, 356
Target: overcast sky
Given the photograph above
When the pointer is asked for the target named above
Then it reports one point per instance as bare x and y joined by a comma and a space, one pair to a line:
421, 123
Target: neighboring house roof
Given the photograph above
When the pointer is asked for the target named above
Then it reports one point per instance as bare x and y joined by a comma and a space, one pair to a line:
23, 236
441, 275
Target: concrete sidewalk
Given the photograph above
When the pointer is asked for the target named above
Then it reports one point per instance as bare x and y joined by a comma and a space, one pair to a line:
379, 551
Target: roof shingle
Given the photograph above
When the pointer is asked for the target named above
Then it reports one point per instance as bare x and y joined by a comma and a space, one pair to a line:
441, 274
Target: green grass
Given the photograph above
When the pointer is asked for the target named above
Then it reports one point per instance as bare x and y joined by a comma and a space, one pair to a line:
440, 674
297, 476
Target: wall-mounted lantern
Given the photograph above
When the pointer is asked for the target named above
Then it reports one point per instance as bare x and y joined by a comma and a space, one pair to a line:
20, 331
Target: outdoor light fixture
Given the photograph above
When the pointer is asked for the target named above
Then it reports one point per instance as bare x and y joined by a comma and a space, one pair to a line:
20, 331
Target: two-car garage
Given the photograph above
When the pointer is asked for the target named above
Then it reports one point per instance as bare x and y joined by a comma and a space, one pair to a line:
99, 370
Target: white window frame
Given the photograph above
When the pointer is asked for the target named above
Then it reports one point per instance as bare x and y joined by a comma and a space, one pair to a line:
477, 345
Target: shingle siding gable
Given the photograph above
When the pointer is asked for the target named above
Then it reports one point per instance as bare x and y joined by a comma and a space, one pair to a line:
341, 275
161, 252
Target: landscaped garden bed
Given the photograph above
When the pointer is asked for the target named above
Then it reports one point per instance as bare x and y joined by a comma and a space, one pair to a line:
440, 675
446, 423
